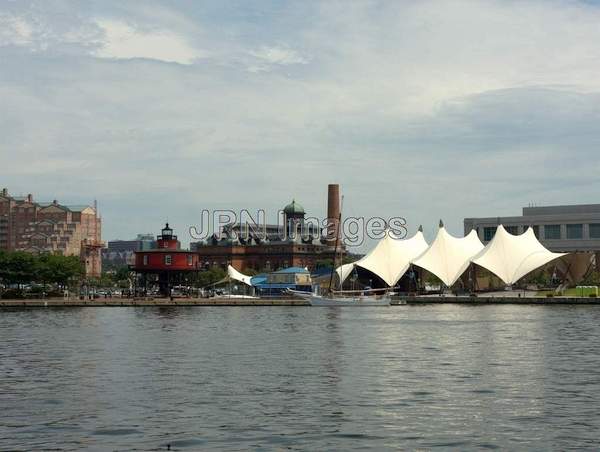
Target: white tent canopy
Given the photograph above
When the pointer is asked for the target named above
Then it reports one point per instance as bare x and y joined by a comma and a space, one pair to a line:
343, 271
232, 273
510, 257
448, 256
390, 258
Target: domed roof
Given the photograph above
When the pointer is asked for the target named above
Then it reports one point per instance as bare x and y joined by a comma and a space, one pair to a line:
293, 208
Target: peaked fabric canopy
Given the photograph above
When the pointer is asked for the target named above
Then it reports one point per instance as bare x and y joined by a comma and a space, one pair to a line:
232, 273
510, 257
575, 266
448, 256
389, 259
343, 271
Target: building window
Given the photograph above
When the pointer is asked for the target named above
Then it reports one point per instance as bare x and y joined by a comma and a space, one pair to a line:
536, 231
514, 230
552, 232
167, 259
574, 231
595, 231
145, 259
189, 260
488, 233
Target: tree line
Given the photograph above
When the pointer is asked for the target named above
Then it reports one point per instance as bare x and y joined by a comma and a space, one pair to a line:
19, 267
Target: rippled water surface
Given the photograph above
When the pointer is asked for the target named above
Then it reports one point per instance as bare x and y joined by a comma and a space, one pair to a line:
237, 378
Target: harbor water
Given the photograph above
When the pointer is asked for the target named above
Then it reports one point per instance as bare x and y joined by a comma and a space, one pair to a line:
236, 378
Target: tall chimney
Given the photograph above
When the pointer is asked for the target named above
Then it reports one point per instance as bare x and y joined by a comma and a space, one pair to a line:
333, 212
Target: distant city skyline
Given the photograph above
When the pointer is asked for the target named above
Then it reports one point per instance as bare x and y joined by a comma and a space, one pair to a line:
424, 110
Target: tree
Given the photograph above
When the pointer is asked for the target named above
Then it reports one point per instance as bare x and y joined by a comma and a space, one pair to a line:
433, 280
122, 273
211, 276
18, 267
539, 277
3, 266
58, 269
348, 259
324, 263
251, 272
591, 279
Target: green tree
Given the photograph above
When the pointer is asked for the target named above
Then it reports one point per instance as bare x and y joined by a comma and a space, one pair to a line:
122, 273
324, 263
591, 279
58, 269
105, 280
122, 276
540, 277
18, 267
3, 266
210, 276
348, 259
433, 280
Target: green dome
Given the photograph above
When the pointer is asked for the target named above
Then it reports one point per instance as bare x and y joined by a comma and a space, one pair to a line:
293, 208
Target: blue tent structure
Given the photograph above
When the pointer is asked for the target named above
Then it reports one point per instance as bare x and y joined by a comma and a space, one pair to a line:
276, 283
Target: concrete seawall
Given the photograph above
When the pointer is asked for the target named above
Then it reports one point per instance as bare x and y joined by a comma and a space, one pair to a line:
100, 302
502, 300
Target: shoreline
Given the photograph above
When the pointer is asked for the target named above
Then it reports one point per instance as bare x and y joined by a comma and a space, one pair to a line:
409, 300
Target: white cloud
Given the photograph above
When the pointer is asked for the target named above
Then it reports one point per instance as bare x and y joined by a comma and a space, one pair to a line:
408, 105
124, 41
14, 30
269, 56
409, 57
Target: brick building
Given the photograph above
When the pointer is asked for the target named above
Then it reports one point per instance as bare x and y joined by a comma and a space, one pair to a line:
265, 256
282, 246
70, 230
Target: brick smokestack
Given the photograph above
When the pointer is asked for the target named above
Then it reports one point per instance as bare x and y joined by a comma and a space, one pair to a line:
333, 211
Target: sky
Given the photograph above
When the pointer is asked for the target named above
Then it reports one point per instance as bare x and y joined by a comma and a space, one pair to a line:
422, 109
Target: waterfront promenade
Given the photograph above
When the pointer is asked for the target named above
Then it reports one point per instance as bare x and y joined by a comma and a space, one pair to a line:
410, 300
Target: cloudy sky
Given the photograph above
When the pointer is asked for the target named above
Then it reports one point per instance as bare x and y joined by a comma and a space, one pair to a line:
422, 109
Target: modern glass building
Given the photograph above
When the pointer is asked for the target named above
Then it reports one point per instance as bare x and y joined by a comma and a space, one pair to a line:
559, 228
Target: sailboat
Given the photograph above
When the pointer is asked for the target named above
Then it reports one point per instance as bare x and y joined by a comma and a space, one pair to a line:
343, 300
341, 297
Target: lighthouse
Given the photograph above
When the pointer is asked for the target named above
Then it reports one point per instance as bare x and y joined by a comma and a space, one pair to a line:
165, 266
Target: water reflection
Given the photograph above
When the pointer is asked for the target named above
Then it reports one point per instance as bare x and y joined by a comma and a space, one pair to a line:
509, 377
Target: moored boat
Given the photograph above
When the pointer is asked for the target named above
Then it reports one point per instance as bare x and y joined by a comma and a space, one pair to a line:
341, 300
383, 300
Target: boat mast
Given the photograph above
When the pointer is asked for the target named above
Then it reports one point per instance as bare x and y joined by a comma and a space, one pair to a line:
339, 233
